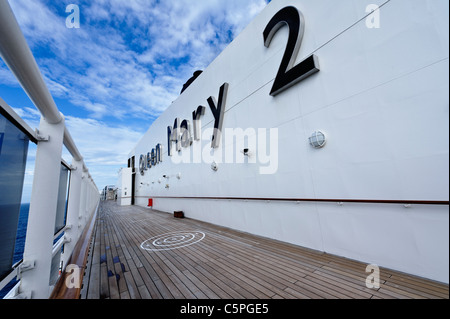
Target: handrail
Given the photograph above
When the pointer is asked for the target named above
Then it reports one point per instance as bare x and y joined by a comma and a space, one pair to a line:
83, 193
78, 258
12, 274
18, 57
71, 147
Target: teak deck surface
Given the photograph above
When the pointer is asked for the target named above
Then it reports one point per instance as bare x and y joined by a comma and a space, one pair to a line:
225, 264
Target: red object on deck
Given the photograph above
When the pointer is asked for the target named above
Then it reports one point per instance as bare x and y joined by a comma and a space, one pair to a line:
150, 202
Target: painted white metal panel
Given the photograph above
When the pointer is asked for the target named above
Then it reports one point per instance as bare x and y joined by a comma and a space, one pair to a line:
124, 187
381, 97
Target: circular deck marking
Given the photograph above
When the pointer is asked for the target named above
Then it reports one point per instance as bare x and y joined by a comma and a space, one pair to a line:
174, 240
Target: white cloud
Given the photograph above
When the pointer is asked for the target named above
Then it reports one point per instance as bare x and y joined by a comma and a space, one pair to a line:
134, 55
104, 147
6, 77
30, 115
100, 143
128, 61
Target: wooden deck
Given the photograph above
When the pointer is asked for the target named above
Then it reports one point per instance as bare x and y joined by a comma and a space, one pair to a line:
223, 264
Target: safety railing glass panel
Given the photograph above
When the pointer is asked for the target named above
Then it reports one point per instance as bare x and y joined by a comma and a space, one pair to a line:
55, 268
13, 156
61, 209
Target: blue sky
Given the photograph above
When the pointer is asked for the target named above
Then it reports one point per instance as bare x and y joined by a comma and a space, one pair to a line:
121, 69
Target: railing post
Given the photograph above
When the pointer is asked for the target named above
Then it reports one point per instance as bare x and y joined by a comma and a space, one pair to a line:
73, 209
35, 275
89, 200
83, 201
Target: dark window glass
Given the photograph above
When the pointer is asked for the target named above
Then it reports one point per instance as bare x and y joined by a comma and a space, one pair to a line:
55, 267
13, 155
61, 209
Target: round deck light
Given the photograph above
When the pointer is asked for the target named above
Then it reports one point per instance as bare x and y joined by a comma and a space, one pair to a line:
318, 139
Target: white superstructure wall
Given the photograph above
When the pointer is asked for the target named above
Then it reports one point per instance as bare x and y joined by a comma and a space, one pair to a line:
380, 97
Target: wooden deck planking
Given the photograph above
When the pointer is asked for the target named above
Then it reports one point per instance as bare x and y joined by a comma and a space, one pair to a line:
225, 264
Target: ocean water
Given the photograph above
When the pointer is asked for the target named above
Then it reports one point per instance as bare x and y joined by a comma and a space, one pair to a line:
20, 243
21, 232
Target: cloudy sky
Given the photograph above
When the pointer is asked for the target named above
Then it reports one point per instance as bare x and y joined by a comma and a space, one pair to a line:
128, 61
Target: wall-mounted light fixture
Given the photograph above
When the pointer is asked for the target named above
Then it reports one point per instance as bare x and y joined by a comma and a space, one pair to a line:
318, 139
214, 166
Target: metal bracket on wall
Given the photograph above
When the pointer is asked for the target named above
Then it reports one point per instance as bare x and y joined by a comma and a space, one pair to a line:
42, 138
25, 266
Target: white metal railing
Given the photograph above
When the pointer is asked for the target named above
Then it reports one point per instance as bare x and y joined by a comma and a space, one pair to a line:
34, 271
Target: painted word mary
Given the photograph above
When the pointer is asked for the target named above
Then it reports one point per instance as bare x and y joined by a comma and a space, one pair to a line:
181, 134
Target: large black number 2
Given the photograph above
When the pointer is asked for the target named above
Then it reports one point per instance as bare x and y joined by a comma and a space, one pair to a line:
287, 74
